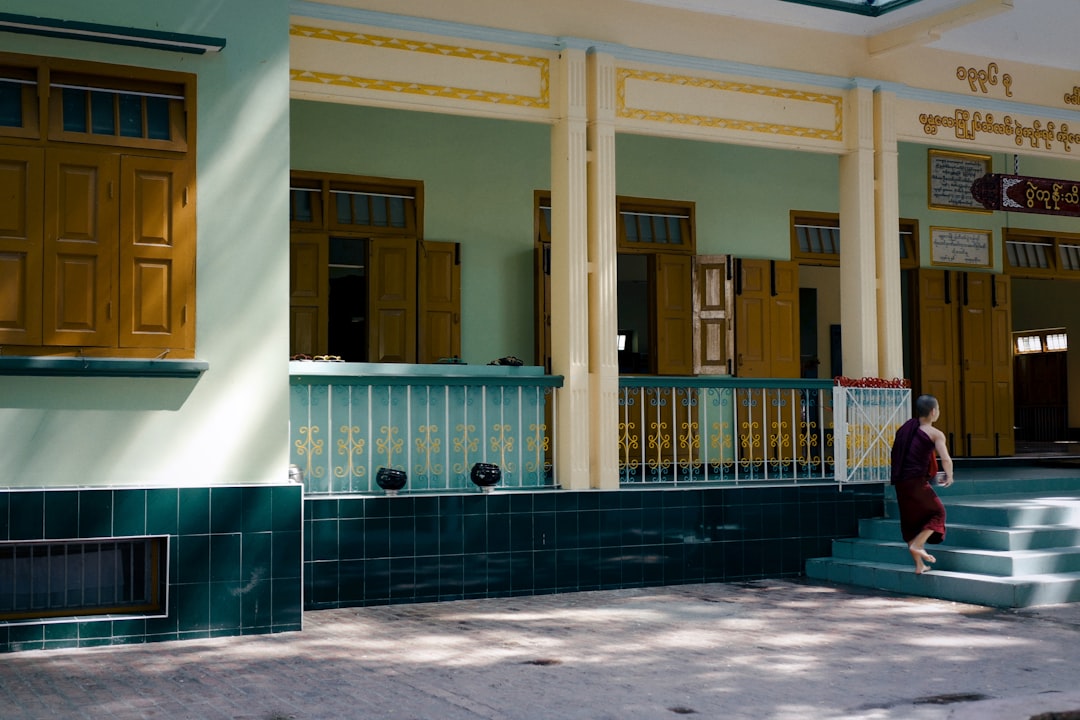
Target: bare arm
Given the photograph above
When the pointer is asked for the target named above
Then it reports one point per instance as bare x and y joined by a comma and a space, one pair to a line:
946, 460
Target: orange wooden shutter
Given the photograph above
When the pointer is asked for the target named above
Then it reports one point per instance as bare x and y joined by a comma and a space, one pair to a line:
80, 250
21, 188
157, 254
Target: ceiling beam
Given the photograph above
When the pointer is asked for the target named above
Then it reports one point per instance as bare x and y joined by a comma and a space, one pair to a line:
928, 30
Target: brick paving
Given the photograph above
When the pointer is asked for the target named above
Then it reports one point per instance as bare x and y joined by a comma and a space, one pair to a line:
775, 650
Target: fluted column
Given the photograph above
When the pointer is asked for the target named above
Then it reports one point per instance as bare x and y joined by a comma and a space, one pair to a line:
603, 260
569, 270
887, 189
858, 256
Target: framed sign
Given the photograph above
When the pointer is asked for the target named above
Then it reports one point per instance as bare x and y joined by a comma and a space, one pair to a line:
949, 179
960, 246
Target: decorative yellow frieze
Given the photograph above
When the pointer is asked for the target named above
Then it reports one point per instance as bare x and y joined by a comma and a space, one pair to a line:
698, 101
436, 70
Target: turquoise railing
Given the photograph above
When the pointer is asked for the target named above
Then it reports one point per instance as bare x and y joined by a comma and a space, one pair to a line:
725, 430
434, 422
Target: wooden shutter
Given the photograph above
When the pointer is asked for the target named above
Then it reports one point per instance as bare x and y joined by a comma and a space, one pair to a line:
157, 253
21, 188
938, 351
80, 250
309, 293
439, 301
767, 319
672, 280
392, 300
1001, 322
713, 336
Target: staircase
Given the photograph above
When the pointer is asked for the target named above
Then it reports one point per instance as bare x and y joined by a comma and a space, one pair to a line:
1013, 540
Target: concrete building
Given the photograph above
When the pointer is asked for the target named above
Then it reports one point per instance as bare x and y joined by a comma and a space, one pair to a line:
206, 205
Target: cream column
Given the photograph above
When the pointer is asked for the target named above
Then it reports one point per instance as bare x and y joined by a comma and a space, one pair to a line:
569, 270
858, 267
603, 263
887, 211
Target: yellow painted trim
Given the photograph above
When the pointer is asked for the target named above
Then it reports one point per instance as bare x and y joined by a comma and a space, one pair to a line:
541, 100
622, 110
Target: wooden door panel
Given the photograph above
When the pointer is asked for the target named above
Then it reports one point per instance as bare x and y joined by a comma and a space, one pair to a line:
392, 300
439, 334
81, 247
938, 364
784, 321
976, 368
713, 338
672, 280
309, 293
751, 318
21, 192
1001, 333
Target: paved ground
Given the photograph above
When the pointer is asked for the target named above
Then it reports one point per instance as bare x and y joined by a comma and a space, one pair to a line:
768, 650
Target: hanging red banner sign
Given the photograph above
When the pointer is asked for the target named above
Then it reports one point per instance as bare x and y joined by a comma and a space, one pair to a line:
1019, 193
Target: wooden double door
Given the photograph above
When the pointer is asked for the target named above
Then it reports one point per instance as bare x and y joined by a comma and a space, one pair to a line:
965, 357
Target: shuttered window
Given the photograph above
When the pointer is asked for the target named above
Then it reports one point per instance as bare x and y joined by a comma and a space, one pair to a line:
97, 214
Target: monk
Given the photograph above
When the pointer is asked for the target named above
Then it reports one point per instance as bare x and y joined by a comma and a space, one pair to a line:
915, 451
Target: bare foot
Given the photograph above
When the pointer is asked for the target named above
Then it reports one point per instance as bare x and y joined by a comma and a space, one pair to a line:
921, 557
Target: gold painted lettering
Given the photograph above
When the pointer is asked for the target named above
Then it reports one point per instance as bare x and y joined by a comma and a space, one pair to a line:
979, 80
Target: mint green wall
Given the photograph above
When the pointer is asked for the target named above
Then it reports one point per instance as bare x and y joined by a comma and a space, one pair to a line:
479, 176
743, 195
231, 425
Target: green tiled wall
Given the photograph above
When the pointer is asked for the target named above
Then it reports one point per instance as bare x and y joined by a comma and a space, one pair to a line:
378, 550
234, 558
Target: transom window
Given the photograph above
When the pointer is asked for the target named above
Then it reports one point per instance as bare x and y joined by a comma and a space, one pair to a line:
815, 238
1038, 255
644, 225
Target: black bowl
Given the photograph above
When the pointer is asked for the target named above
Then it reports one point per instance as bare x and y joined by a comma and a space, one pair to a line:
390, 479
485, 475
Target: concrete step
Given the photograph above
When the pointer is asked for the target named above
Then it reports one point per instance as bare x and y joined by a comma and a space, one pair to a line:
1006, 592
1008, 510
985, 537
1000, 563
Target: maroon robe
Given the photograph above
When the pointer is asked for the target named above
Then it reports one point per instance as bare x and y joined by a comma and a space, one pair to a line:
913, 464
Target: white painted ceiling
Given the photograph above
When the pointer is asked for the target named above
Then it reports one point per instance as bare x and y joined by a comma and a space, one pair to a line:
1041, 32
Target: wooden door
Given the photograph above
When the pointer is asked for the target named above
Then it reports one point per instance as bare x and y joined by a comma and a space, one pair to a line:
81, 247
21, 188
309, 293
157, 273
392, 300
439, 301
767, 318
